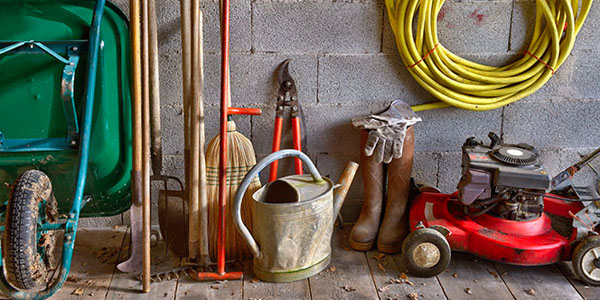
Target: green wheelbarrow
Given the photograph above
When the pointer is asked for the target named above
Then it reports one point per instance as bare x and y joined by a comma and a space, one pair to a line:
65, 133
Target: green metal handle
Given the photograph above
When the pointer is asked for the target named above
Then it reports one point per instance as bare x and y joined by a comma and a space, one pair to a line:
71, 224
37, 44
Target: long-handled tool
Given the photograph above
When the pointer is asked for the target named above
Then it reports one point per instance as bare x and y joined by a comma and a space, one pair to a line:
199, 204
183, 213
134, 263
563, 180
287, 97
226, 110
146, 149
140, 210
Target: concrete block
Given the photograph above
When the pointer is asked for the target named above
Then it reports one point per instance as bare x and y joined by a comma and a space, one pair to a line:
240, 26
476, 27
351, 210
589, 36
172, 127
585, 77
330, 130
123, 5
213, 117
172, 130
169, 23
284, 168
425, 167
557, 160
171, 86
101, 222
332, 166
467, 27
447, 129
523, 21
317, 26
263, 127
449, 172
492, 59
553, 124
388, 41
254, 78
367, 78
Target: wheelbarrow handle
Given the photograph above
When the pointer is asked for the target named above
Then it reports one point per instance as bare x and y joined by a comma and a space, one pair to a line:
239, 195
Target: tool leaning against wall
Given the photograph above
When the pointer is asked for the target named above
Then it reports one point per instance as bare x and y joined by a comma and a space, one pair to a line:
287, 96
64, 163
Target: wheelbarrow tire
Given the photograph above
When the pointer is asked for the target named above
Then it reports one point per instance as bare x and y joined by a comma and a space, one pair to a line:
25, 268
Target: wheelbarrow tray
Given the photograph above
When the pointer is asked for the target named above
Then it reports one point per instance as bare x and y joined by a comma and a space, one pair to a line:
33, 122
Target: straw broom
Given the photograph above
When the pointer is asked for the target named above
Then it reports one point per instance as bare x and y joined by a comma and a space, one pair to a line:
240, 159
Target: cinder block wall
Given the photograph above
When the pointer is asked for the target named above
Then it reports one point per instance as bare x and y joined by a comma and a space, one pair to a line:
345, 64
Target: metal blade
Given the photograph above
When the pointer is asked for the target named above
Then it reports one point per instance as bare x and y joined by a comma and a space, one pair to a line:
134, 263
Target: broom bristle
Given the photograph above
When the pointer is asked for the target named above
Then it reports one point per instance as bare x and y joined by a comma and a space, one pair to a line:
240, 159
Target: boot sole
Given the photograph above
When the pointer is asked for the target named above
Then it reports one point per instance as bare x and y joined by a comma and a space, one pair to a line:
389, 249
361, 246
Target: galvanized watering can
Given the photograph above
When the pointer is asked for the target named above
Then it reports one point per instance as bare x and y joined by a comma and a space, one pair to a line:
293, 220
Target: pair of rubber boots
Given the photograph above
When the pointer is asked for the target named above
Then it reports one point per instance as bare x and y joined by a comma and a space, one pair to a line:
391, 231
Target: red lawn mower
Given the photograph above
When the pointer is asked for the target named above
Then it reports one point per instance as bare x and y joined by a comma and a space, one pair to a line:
502, 212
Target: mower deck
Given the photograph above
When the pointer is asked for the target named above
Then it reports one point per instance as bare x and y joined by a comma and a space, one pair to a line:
542, 241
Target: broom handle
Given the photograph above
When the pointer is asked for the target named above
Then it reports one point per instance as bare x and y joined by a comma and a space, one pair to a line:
157, 156
186, 62
223, 135
146, 148
225, 111
200, 223
194, 194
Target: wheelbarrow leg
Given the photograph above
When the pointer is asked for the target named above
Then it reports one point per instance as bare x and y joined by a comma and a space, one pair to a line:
84, 150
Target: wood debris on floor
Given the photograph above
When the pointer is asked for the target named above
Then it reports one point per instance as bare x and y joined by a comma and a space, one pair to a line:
351, 275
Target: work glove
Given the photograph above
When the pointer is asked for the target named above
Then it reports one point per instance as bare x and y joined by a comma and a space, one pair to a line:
387, 131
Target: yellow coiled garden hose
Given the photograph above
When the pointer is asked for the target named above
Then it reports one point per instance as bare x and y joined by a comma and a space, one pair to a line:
462, 83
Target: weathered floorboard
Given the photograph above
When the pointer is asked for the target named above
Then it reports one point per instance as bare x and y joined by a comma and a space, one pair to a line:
588, 292
351, 278
188, 288
389, 283
543, 282
256, 289
471, 277
127, 286
94, 258
356, 276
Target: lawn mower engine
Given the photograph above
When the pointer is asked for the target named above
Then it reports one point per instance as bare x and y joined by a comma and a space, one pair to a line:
504, 211
505, 181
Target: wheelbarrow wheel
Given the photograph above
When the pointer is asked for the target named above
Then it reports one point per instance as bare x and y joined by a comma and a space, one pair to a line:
586, 260
28, 255
426, 252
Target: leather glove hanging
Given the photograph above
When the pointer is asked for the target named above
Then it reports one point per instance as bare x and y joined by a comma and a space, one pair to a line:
387, 130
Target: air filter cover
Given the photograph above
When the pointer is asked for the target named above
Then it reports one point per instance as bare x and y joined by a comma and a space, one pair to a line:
513, 155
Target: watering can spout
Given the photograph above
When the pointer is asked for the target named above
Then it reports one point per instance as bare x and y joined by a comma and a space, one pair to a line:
343, 186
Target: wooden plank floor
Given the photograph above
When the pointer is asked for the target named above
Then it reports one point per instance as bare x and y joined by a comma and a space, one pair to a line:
352, 275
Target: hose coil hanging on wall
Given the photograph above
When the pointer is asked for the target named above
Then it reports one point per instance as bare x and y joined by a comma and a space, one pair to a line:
469, 85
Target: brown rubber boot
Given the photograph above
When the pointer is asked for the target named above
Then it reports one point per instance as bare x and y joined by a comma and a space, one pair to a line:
394, 227
364, 232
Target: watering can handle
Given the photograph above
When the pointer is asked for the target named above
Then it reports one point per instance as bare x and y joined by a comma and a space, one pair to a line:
239, 195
